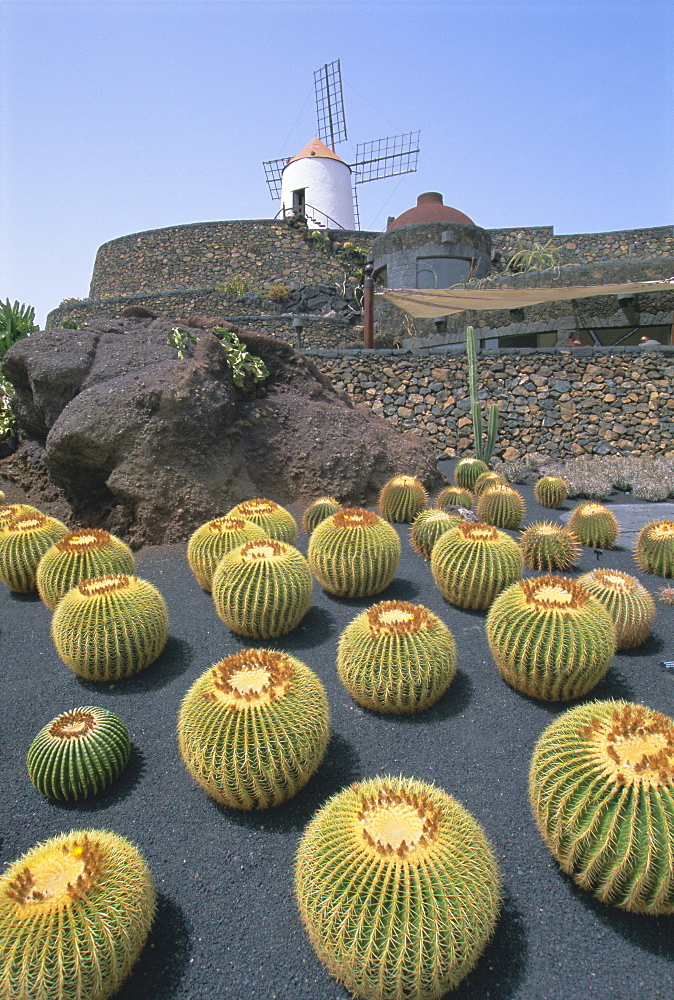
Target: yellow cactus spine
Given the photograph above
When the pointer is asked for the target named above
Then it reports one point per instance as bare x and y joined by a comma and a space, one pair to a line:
595, 525
551, 491
317, 512
487, 479
277, 522
354, 553
502, 506
466, 472
452, 497
549, 546
601, 786
398, 889
80, 555
473, 563
654, 551
428, 527
254, 728
211, 541
631, 607
23, 542
402, 498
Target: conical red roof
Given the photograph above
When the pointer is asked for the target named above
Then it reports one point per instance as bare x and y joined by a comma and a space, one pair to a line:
316, 148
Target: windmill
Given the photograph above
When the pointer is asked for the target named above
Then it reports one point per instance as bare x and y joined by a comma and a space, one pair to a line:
316, 183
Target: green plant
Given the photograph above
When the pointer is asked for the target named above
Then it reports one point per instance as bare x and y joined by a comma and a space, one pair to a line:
473, 563
71, 324
551, 491
79, 753
278, 292
549, 546
601, 786
595, 525
23, 542
354, 553
398, 889
178, 338
317, 512
110, 627
487, 479
483, 451
631, 607
276, 521
80, 555
234, 287
454, 496
396, 657
211, 541
16, 322
550, 639
254, 728
466, 472
402, 498
75, 912
262, 589
319, 240
428, 526
654, 549
501, 506
538, 257
7, 417
241, 362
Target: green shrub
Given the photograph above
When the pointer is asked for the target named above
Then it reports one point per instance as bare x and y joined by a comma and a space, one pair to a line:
233, 288
278, 292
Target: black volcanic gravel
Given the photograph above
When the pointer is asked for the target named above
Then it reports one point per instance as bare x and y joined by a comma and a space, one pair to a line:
227, 924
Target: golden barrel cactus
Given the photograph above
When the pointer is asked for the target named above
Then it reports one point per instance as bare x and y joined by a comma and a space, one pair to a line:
473, 563
23, 542
428, 526
80, 555
549, 546
467, 470
654, 550
631, 607
354, 553
318, 511
402, 498
595, 525
213, 540
277, 522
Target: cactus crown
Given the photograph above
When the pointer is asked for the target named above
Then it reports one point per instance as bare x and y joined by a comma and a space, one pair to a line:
590, 509
251, 678
10, 511
398, 824
106, 584
257, 506
56, 879
398, 618
635, 745
613, 579
554, 593
72, 725
404, 481
354, 517
477, 531
661, 530
27, 522
265, 548
77, 542
221, 525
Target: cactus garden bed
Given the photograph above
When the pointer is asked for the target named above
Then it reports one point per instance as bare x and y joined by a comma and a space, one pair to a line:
227, 924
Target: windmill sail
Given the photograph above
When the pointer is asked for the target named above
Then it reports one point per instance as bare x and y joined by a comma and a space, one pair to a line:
330, 104
396, 154
273, 169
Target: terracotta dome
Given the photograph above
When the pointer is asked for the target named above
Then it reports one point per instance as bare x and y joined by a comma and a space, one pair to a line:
429, 208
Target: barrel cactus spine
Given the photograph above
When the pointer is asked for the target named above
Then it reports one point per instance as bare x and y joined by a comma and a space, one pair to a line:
595, 525
550, 638
254, 728
211, 541
549, 546
23, 542
551, 491
501, 506
75, 913
80, 555
487, 479
78, 754
473, 563
428, 526
466, 472
396, 657
452, 497
402, 498
398, 889
601, 786
262, 589
631, 607
277, 522
354, 553
654, 549
317, 512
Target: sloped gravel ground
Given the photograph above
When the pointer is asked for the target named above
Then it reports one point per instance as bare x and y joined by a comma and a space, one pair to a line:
227, 924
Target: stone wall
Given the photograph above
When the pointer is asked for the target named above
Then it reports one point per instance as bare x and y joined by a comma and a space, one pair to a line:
587, 248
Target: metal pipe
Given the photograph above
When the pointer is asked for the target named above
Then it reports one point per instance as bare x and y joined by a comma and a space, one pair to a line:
368, 307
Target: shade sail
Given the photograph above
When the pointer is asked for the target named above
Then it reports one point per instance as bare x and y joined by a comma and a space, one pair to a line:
426, 303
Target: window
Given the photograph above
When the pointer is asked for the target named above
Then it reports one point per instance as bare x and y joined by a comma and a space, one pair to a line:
442, 272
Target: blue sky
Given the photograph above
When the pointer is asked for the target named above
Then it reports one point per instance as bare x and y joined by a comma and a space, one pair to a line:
118, 117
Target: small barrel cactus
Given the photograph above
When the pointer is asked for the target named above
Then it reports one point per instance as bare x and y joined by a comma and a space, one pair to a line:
551, 491
354, 553
277, 522
396, 657
467, 470
631, 607
110, 627
452, 497
427, 528
75, 913
402, 498
78, 754
262, 589
10, 511
211, 541
550, 639
254, 728
80, 555
654, 550
501, 506
317, 512
549, 546
22, 544
398, 889
487, 479
595, 525
473, 563
601, 786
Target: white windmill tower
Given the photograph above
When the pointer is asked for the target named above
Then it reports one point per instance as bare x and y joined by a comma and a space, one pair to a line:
317, 183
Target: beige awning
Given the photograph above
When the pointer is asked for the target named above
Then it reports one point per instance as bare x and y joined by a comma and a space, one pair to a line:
426, 303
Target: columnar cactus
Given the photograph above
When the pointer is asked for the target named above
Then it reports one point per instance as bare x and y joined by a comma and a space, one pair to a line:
549, 546
454, 496
550, 639
79, 753
74, 915
396, 657
402, 498
595, 525
551, 491
467, 470
80, 555
654, 551
211, 541
631, 607
354, 553
277, 522
427, 528
262, 589
398, 889
23, 542
254, 728
108, 628
501, 506
601, 786
317, 512
487, 479
473, 563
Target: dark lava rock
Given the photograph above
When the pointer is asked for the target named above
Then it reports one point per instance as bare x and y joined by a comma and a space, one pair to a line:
150, 446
